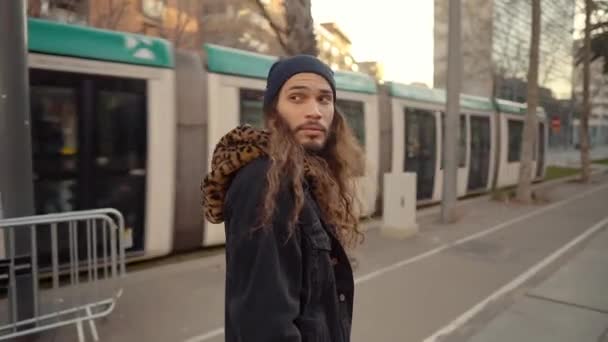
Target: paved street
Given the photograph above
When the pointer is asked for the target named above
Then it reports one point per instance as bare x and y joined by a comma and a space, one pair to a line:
406, 290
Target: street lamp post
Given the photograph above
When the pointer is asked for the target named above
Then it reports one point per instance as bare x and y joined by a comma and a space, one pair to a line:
16, 190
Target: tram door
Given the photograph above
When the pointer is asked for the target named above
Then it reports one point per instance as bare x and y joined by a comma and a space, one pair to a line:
420, 150
89, 145
480, 153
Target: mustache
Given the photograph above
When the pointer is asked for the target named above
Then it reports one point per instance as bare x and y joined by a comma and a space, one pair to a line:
311, 125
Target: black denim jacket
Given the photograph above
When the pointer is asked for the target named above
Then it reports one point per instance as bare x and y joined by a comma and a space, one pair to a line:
281, 287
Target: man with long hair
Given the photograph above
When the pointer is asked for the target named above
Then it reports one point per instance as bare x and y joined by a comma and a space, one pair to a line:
287, 199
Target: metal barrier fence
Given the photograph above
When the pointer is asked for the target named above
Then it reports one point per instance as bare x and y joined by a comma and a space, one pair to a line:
76, 261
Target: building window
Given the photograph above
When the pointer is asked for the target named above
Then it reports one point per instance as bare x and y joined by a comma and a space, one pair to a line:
153, 9
516, 130
354, 114
214, 8
65, 11
251, 103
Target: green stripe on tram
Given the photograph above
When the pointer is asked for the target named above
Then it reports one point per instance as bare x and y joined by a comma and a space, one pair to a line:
230, 61
438, 97
416, 93
55, 38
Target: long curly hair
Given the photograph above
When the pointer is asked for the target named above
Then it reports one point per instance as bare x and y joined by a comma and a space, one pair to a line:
332, 173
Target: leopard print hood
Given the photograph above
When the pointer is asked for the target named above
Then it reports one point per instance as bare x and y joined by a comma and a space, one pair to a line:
234, 150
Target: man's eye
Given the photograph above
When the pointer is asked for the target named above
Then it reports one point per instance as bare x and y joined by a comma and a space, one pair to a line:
326, 99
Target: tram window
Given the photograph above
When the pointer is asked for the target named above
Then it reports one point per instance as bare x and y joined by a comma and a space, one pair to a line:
251, 107
462, 140
55, 126
516, 129
412, 134
121, 130
354, 113
54, 116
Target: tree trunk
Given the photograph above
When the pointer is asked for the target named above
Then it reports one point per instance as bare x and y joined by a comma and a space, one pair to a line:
524, 187
33, 8
300, 30
584, 124
450, 143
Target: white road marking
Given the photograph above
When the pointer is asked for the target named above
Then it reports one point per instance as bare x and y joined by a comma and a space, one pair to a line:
465, 317
397, 265
207, 336
477, 235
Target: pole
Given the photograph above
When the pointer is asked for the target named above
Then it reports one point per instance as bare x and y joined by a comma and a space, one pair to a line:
16, 188
450, 143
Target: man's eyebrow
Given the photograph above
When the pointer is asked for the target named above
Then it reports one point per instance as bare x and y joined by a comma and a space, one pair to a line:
301, 87
298, 87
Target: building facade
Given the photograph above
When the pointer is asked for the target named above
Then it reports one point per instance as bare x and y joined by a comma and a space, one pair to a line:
190, 23
373, 68
335, 47
496, 42
495, 51
171, 19
240, 24
187, 23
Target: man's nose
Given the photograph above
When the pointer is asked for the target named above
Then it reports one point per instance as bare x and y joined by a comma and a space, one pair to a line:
313, 112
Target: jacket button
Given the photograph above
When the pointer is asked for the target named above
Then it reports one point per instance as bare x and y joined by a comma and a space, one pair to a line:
342, 297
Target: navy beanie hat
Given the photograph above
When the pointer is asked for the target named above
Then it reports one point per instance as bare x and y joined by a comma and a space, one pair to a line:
284, 69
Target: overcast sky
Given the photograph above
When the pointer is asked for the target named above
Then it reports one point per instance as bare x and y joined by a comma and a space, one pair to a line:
398, 33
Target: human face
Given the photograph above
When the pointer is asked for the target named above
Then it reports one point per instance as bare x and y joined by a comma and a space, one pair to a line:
306, 104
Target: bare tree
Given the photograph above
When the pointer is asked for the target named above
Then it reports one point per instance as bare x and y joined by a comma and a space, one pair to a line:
584, 122
297, 34
33, 8
595, 46
599, 33
112, 14
524, 186
185, 14
300, 29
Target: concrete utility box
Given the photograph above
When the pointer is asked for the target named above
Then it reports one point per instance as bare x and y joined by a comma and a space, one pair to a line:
399, 204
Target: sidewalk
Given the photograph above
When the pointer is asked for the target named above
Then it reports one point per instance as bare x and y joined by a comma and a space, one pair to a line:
571, 305
406, 290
